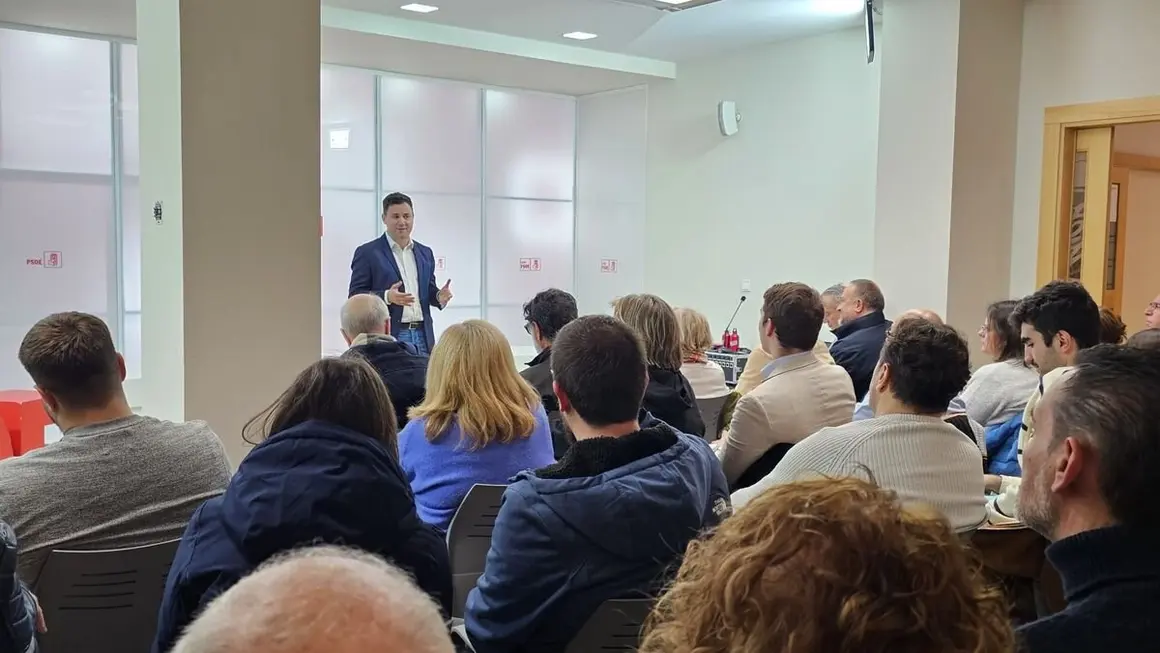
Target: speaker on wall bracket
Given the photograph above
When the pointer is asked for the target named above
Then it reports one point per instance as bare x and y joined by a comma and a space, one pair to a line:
728, 119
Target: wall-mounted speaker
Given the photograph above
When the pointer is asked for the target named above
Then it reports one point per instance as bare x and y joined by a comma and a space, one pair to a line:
728, 119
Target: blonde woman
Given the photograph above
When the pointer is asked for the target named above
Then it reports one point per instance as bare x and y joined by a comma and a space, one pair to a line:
706, 377
668, 395
479, 423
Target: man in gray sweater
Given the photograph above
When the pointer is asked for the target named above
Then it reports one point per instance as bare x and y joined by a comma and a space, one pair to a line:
907, 447
115, 479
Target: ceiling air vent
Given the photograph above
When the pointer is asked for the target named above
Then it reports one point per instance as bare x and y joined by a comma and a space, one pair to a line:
668, 5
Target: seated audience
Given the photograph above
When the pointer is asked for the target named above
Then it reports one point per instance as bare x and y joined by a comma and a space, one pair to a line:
1090, 486
544, 316
20, 617
1146, 339
1152, 314
956, 407
831, 297
1055, 323
759, 360
669, 397
610, 519
907, 448
1113, 331
706, 377
366, 326
861, 332
325, 472
115, 479
829, 566
800, 394
320, 600
480, 422
999, 390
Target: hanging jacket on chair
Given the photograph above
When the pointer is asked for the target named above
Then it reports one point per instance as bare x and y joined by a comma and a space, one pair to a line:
17, 608
1003, 447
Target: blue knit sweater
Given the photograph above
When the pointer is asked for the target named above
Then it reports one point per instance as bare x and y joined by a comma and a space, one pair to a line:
1111, 579
441, 472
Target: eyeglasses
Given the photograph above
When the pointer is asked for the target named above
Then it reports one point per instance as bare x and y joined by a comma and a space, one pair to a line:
1154, 306
528, 327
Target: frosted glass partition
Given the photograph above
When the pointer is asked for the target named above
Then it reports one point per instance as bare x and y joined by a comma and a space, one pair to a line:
611, 152
348, 129
430, 137
531, 145
347, 223
56, 184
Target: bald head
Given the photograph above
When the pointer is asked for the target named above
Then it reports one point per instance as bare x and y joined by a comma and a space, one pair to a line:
324, 599
365, 314
921, 314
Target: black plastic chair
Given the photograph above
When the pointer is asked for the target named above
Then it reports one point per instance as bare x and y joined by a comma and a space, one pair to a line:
469, 538
103, 601
615, 626
762, 466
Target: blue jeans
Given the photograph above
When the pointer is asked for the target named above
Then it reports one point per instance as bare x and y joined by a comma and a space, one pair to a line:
417, 338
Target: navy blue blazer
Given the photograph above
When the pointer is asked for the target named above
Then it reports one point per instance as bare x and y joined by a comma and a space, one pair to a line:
859, 347
373, 270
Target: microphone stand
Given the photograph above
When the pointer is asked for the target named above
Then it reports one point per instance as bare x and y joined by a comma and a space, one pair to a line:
734, 316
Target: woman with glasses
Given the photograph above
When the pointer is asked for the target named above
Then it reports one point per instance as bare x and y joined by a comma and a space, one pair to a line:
998, 391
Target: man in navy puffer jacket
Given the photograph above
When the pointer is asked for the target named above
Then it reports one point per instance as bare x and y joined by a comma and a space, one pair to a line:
610, 520
17, 606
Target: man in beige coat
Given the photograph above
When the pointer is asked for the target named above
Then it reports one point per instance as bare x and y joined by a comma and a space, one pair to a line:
801, 393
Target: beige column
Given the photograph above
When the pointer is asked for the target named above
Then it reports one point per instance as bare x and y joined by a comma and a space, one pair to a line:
230, 293
946, 164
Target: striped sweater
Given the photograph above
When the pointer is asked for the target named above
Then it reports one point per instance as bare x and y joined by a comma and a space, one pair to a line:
922, 459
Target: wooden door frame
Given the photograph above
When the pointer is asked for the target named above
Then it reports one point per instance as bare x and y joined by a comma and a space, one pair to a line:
1059, 128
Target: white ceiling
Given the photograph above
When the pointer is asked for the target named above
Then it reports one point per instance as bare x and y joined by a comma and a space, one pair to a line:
621, 27
633, 29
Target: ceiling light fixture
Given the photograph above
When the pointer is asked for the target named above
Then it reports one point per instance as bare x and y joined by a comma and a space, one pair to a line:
418, 8
838, 7
668, 5
580, 36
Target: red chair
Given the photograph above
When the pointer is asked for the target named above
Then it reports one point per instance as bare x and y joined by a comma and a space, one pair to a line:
23, 414
5, 441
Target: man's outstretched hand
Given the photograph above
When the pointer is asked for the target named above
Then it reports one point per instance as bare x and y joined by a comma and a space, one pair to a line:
445, 295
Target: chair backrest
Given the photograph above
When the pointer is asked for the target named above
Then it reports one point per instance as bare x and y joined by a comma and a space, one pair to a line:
103, 601
615, 626
469, 538
711, 415
762, 466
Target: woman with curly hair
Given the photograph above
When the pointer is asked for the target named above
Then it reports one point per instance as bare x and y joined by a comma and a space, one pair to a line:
830, 566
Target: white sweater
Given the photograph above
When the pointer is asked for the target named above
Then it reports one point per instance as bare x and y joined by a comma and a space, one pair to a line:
999, 391
922, 459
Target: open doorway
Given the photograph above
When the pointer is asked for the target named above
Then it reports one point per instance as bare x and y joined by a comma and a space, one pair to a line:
1103, 155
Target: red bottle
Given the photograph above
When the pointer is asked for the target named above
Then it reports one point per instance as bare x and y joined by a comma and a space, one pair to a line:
726, 338
734, 340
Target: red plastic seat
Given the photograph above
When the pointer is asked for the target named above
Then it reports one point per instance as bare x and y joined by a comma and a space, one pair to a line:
24, 417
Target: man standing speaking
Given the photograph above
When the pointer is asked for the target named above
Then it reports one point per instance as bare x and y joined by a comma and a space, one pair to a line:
402, 272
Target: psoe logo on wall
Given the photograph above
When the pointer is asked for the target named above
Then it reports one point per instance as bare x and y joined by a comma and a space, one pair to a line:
48, 260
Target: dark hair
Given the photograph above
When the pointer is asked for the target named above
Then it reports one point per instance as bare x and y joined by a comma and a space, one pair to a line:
999, 322
797, 313
599, 364
550, 310
929, 364
870, 293
1146, 339
71, 357
1061, 306
395, 199
346, 392
1112, 328
1107, 401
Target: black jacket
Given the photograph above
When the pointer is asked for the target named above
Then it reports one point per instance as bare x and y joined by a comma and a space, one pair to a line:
669, 397
17, 610
1111, 580
314, 483
539, 376
858, 348
403, 369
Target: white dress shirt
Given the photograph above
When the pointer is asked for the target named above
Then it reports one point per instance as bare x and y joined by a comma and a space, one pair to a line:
405, 259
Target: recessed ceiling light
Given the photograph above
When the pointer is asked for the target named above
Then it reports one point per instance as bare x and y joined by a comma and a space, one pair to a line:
418, 8
674, 2
580, 36
837, 7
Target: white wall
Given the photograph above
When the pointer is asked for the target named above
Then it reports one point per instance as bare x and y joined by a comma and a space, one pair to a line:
789, 198
1073, 52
